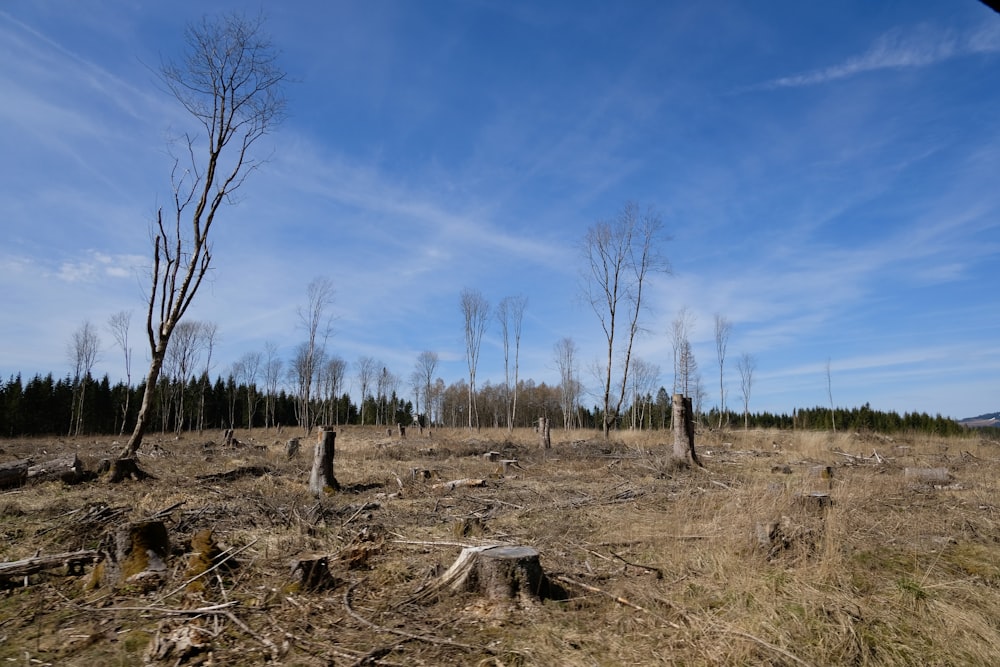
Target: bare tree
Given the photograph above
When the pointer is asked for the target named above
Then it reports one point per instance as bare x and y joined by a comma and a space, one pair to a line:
569, 382
476, 312
230, 83
383, 382
83, 349
723, 328
620, 254
311, 354
334, 372
829, 393
680, 330
247, 369
272, 375
427, 363
644, 377
183, 354
510, 315
120, 323
210, 334
746, 365
365, 367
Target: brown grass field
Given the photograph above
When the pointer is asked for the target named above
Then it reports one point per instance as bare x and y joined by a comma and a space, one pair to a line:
733, 564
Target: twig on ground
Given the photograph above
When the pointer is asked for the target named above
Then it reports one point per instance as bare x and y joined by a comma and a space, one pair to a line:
422, 638
648, 568
209, 570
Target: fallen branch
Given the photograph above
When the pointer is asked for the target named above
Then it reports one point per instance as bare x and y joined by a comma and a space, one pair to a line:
232, 475
72, 561
457, 483
648, 568
392, 631
220, 609
595, 589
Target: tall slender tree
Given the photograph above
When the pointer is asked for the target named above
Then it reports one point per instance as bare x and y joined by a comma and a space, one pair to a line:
476, 312
723, 328
746, 366
83, 349
318, 325
510, 315
620, 255
120, 323
230, 83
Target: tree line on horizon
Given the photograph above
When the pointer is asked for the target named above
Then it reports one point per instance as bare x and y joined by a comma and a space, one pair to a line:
46, 406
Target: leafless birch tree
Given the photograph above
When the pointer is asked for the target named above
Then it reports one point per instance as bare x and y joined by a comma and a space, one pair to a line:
120, 323
427, 363
366, 368
83, 349
723, 328
273, 366
680, 330
569, 380
510, 315
230, 83
829, 393
620, 254
746, 365
476, 312
311, 354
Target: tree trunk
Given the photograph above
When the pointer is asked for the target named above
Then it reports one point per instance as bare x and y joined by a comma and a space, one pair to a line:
135, 441
321, 480
14, 473
683, 426
544, 432
67, 469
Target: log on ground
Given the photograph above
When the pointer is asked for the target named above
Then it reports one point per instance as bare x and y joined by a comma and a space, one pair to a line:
14, 473
68, 469
73, 561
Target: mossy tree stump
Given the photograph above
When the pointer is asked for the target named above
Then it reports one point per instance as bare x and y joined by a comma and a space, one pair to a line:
140, 557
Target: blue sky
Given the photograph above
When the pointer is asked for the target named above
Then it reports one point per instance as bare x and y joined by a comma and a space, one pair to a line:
828, 173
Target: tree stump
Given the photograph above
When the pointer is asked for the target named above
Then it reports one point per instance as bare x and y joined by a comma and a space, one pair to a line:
122, 469
313, 574
683, 426
545, 432
141, 551
500, 573
321, 480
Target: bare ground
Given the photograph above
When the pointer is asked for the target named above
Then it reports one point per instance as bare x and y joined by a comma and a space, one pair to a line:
737, 563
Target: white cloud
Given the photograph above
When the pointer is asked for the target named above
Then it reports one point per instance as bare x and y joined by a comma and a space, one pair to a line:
898, 48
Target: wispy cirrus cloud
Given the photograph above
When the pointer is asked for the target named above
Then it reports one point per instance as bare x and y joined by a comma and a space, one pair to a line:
896, 49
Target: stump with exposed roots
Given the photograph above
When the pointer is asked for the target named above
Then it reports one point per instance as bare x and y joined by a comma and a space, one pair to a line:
499, 573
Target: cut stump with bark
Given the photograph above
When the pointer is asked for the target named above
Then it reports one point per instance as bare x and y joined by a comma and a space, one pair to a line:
311, 573
499, 573
683, 427
321, 480
140, 558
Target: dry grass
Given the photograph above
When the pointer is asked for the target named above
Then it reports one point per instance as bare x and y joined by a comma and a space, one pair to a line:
895, 572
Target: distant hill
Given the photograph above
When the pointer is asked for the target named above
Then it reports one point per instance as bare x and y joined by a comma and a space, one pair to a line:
991, 419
